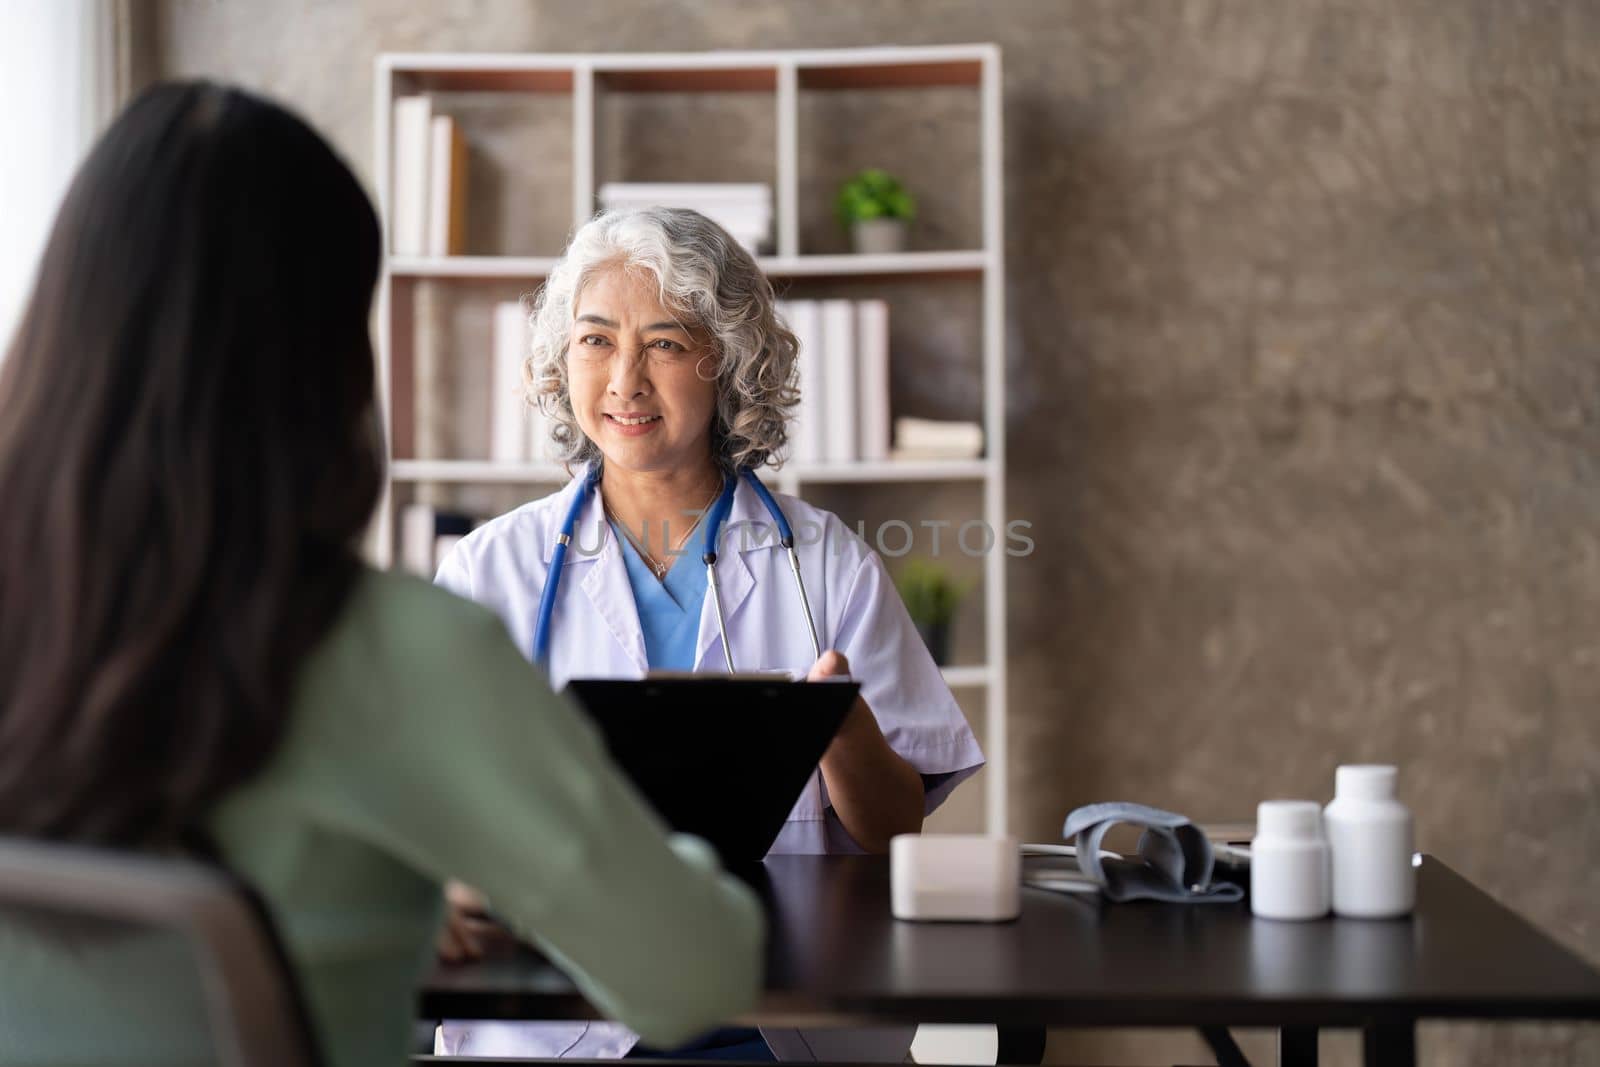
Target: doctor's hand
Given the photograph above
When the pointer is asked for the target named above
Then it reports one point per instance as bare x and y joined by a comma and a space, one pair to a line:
468, 932
831, 665
875, 793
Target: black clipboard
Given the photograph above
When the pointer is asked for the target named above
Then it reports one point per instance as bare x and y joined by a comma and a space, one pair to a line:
721, 757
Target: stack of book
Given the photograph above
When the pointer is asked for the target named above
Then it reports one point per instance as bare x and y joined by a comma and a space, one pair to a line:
743, 209
843, 415
427, 535
428, 183
844, 380
518, 431
928, 439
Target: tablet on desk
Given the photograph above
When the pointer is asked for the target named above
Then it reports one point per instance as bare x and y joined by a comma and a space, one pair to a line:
721, 757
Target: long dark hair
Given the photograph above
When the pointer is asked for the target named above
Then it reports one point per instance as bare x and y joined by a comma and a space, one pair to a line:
188, 452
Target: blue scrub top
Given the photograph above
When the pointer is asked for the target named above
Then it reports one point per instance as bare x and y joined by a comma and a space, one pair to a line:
669, 608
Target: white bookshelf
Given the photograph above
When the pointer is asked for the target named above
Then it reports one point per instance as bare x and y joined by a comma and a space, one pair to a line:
784, 75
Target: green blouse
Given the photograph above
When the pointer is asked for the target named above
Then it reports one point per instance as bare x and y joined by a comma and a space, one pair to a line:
423, 747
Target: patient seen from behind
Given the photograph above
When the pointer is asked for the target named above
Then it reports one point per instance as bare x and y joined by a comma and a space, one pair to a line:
193, 658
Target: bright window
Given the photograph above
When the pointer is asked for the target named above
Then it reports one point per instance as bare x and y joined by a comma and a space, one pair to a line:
63, 69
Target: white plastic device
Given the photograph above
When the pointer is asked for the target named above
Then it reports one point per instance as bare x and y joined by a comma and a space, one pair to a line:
955, 877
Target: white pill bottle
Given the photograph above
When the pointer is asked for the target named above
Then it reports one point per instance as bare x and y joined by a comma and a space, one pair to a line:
1289, 861
1370, 842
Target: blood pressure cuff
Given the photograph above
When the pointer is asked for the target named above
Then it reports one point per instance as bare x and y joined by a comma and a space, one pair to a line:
1174, 861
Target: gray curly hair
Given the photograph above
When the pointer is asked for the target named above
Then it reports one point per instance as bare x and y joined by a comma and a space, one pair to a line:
707, 277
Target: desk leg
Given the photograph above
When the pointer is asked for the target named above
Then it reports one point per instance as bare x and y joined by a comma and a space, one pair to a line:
1390, 1045
1297, 1046
1019, 1045
1224, 1047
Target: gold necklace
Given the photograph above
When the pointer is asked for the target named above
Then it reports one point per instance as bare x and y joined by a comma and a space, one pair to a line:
659, 567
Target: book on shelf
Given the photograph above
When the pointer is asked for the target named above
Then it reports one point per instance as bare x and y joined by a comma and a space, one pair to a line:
662, 192
413, 116
447, 189
872, 379
843, 415
540, 448
428, 182
805, 432
839, 396
932, 439
510, 415
442, 544
427, 535
744, 209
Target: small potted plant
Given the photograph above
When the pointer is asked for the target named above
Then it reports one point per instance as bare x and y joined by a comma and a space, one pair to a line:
932, 595
875, 209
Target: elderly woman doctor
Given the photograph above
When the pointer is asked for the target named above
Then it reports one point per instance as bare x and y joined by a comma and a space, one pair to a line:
669, 379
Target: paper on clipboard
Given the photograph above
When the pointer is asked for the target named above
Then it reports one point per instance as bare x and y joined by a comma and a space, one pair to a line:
775, 674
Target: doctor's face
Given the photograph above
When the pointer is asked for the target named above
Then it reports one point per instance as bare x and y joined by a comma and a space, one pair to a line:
634, 376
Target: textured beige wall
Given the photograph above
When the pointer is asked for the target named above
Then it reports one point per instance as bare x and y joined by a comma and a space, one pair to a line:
1302, 332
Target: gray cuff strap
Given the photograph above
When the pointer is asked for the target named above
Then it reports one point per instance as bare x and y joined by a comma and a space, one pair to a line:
1175, 859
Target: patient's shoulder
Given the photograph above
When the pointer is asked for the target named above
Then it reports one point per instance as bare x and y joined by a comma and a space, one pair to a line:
403, 658
406, 616
399, 638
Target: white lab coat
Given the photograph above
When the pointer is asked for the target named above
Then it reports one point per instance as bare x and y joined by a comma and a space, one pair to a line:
595, 632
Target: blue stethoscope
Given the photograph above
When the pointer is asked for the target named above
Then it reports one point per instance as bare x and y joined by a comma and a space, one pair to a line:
713, 528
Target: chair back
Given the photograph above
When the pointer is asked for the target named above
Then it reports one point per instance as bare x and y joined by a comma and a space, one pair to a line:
120, 958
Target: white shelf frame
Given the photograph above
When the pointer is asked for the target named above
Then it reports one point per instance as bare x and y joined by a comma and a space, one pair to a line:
781, 266
522, 71
784, 75
974, 677
889, 471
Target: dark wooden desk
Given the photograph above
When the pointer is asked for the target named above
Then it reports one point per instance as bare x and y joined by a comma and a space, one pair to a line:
837, 957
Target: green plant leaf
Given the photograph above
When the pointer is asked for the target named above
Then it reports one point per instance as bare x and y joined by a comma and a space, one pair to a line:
873, 194
930, 592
